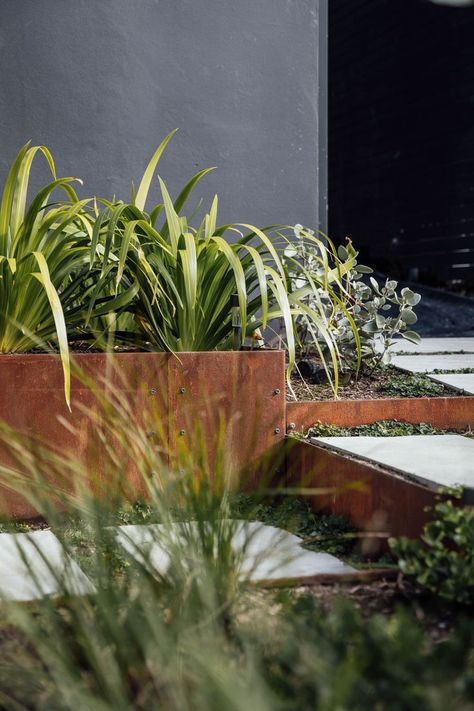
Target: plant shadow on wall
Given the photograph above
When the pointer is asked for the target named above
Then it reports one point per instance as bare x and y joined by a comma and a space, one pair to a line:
136, 640
117, 274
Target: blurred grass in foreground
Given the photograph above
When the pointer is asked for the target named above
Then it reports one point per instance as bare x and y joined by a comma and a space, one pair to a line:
199, 637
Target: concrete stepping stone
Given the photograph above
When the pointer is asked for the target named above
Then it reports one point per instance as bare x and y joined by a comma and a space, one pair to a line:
265, 553
432, 460
428, 363
434, 345
459, 381
33, 565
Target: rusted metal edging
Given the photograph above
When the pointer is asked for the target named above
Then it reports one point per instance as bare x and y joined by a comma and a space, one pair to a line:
375, 499
206, 407
444, 412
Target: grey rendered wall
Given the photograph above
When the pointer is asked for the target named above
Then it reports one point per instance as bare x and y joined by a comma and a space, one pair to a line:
100, 82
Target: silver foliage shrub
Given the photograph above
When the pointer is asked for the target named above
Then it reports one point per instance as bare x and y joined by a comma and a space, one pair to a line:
381, 311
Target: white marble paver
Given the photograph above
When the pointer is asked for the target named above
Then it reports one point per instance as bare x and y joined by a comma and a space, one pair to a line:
459, 381
265, 553
33, 565
433, 460
428, 363
434, 345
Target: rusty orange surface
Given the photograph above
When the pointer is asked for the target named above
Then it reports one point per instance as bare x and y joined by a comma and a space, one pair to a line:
446, 412
374, 499
227, 407
228, 404
32, 402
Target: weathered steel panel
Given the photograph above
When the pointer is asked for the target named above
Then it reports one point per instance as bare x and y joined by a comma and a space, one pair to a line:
376, 501
32, 402
227, 408
447, 412
217, 410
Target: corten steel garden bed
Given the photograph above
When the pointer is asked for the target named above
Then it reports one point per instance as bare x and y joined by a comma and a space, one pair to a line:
235, 400
443, 412
376, 500
229, 401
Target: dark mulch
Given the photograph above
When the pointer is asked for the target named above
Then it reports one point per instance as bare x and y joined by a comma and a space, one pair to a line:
367, 386
363, 388
436, 616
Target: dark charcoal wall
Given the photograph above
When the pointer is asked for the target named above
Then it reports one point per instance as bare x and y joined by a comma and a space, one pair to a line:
401, 134
102, 81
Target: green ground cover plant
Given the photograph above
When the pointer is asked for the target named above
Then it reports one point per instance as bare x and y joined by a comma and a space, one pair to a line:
439, 371
381, 428
295, 514
411, 386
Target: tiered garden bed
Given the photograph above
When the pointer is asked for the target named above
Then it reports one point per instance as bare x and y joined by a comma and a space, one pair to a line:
229, 400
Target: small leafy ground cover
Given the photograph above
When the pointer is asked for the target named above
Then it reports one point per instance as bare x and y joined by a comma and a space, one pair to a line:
415, 385
294, 514
381, 428
384, 382
440, 371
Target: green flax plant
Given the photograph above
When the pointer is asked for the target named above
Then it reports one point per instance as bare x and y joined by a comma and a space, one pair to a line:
45, 273
185, 276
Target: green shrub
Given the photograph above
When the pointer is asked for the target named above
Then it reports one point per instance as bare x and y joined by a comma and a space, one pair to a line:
341, 660
444, 371
443, 560
377, 313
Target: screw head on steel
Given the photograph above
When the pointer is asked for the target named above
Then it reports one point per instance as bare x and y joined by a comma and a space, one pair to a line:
276, 391
291, 426
182, 390
182, 432
277, 430
153, 391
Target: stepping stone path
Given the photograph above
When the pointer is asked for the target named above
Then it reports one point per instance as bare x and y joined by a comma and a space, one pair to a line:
427, 363
32, 565
434, 345
431, 460
458, 381
449, 354
267, 554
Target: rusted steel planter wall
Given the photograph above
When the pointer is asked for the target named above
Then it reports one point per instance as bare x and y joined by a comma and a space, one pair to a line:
445, 412
375, 500
232, 401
